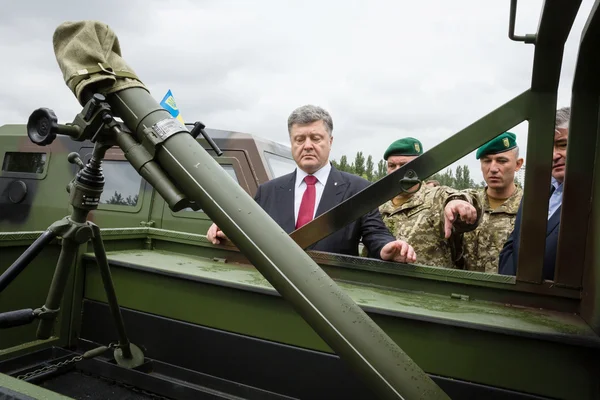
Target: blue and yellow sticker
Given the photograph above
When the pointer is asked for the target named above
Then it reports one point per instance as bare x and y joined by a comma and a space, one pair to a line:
168, 103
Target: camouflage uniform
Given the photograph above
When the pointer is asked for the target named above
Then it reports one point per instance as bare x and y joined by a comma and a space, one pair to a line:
420, 222
482, 246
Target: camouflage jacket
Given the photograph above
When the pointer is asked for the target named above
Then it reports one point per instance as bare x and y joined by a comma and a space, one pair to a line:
482, 246
420, 222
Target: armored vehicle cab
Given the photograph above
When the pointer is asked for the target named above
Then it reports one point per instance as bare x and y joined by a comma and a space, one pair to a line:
32, 181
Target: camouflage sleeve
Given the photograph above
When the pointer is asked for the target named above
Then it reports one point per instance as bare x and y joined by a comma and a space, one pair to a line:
471, 196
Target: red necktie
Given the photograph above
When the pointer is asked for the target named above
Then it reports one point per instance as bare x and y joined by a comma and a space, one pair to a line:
307, 206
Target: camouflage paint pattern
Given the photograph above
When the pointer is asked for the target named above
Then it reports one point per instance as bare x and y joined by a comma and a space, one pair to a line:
420, 222
482, 246
254, 160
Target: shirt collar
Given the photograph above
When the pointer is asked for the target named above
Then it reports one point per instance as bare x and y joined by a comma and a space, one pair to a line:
322, 174
555, 183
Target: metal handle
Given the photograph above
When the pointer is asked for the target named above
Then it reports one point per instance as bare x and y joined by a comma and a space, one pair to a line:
529, 38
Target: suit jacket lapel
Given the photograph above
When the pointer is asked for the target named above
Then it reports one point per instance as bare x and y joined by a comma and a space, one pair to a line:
285, 196
333, 193
554, 220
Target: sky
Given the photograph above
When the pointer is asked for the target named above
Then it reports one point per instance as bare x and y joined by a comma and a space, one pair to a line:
383, 69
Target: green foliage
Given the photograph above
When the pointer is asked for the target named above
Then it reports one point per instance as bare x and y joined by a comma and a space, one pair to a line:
118, 199
461, 179
369, 169
518, 182
359, 164
458, 179
381, 170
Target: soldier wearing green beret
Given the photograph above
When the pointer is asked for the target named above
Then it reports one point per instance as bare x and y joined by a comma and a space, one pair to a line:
501, 197
425, 217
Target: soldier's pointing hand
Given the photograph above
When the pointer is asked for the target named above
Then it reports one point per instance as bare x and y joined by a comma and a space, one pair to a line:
458, 209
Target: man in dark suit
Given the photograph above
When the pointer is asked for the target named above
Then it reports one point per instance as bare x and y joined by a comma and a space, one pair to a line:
510, 253
315, 187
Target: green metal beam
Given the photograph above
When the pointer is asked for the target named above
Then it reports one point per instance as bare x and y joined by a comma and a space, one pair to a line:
583, 137
555, 24
556, 21
537, 188
581, 205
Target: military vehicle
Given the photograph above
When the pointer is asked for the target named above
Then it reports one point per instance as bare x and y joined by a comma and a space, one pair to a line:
127, 199
138, 304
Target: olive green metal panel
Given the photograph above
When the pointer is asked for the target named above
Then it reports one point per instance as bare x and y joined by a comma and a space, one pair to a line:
510, 361
46, 199
445, 309
19, 387
537, 367
581, 154
41, 198
590, 304
577, 197
492, 287
29, 290
540, 140
555, 24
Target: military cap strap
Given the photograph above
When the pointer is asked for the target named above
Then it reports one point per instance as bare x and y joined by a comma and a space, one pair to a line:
103, 69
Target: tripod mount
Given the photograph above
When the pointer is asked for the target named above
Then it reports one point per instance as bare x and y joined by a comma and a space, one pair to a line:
94, 123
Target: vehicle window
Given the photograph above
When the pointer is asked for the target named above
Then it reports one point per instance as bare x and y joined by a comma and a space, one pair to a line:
32, 163
279, 165
229, 169
121, 183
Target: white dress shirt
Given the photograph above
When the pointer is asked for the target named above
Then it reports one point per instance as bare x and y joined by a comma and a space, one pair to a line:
556, 197
300, 187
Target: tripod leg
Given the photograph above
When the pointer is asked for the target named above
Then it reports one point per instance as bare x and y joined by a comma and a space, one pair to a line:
28, 255
57, 287
110, 290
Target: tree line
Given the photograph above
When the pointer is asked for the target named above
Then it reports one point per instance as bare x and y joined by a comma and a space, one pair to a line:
459, 179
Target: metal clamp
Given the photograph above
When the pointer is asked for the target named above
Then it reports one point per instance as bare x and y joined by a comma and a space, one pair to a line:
410, 179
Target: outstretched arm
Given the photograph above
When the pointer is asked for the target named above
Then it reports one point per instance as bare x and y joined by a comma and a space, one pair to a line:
215, 234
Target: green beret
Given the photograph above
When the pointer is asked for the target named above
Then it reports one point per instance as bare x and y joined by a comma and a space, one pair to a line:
404, 147
499, 144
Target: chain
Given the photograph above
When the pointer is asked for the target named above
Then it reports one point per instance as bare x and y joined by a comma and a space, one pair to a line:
77, 358
50, 367
91, 354
85, 356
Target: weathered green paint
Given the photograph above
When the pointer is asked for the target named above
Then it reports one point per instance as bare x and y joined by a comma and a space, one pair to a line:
475, 353
29, 347
583, 140
410, 304
28, 389
540, 139
43, 203
29, 290
505, 361
215, 306
47, 200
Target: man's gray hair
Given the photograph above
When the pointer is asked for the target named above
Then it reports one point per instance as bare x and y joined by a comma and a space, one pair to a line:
307, 115
563, 116
516, 151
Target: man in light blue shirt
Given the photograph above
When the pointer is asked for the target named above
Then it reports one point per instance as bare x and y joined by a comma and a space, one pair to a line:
510, 253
